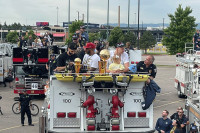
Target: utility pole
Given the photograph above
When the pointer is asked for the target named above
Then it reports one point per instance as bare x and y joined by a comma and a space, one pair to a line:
135, 19
78, 15
57, 14
1, 34
68, 17
87, 14
138, 42
163, 23
107, 20
128, 13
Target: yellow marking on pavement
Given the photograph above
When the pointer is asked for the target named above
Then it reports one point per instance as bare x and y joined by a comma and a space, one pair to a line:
164, 93
14, 127
169, 104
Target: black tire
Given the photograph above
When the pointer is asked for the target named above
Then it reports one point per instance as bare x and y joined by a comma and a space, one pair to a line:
34, 110
15, 108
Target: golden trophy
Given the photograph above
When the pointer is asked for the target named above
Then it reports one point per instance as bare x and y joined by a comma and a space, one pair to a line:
104, 55
77, 64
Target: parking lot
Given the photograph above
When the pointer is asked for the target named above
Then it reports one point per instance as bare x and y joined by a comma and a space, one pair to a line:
167, 99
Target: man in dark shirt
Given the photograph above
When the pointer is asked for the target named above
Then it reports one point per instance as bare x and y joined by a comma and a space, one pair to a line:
183, 120
196, 36
197, 44
25, 101
148, 66
51, 64
175, 115
22, 42
66, 57
164, 124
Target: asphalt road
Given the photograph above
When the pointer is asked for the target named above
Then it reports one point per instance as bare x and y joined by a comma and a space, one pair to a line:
167, 99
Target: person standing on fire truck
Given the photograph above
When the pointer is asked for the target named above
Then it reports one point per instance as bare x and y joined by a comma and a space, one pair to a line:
196, 36
90, 59
24, 102
51, 64
148, 66
66, 57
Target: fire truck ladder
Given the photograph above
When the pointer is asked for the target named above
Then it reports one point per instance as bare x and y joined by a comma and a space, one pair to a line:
189, 48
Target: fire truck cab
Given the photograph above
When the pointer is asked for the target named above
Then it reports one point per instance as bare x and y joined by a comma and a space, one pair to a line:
93, 102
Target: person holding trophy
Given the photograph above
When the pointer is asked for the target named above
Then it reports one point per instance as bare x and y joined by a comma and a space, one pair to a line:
90, 59
124, 60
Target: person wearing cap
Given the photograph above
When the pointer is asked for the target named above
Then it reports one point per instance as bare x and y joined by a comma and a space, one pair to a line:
197, 44
51, 64
90, 59
148, 66
66, 57
80, 51
123, 57
24, 106
83, 33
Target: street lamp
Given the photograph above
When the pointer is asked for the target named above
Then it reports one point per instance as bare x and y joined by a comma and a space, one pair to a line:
68, 17
87, 14
78, 15
163, 23
134, 22
128, 13
138, 42
107, 20
57, 14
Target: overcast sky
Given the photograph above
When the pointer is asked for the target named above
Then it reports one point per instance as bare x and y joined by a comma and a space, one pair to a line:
32, 11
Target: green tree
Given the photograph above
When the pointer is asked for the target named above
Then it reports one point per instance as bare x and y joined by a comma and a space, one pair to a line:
147, 41
116, 36
103, 34
72, 29
12, 37
180, 30
94, 36
130, 37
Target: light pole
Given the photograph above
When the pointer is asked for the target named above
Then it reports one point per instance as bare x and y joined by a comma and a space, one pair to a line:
78, 15
138, 42
57, 14
68, 17
87, 14
1, 35
135, 19
107, 20
128, 13
163, 23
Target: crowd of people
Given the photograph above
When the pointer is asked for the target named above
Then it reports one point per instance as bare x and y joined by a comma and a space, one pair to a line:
40, 41
175, 124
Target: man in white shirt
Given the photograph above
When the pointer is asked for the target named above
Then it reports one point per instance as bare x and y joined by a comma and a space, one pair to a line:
90, 59
124, 58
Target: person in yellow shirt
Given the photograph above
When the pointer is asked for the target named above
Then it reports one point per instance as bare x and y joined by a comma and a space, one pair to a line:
116, 66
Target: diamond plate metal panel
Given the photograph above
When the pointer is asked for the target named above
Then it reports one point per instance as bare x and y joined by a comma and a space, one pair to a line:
66, 122
136, 122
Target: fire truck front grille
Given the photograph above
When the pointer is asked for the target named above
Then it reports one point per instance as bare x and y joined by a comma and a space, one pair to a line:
66, 122
29, 81
136, 122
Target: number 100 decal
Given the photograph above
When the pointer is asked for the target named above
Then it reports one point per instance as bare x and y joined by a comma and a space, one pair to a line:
67, 100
